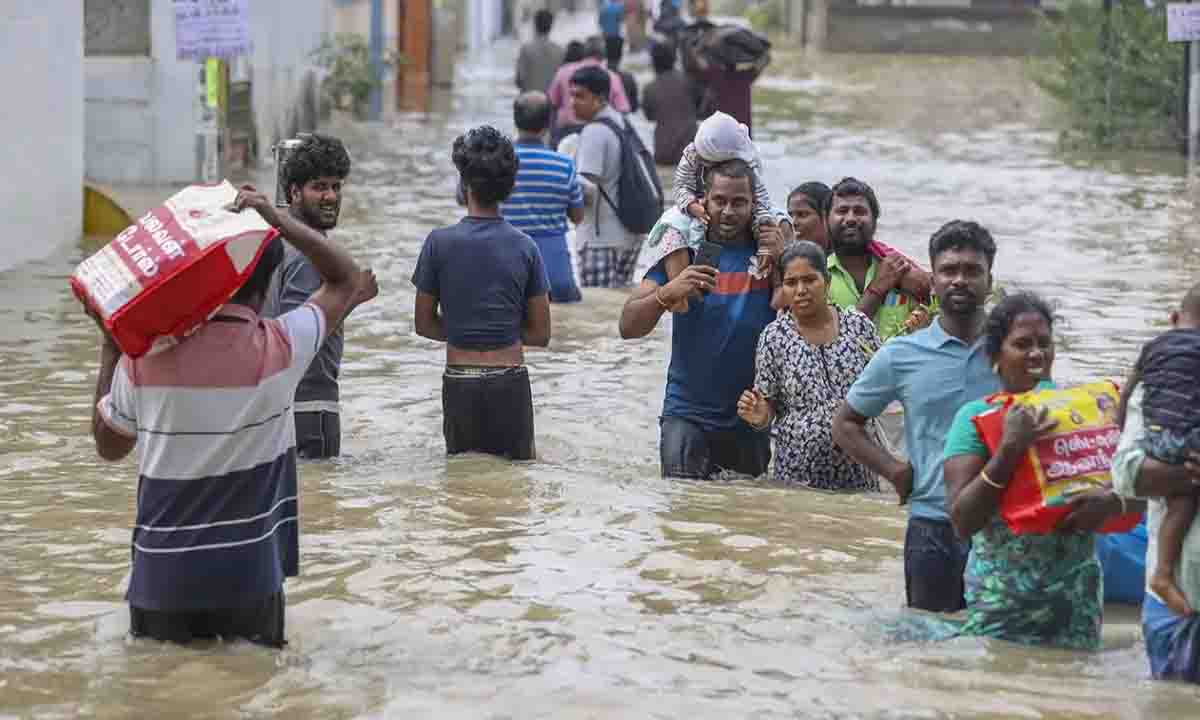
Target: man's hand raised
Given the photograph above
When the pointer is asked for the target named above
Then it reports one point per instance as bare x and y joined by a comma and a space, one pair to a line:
249, 197
692, 282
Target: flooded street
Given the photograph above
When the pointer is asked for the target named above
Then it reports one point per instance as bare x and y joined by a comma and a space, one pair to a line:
583, 585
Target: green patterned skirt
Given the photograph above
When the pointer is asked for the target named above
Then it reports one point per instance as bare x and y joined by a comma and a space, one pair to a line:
1034, 589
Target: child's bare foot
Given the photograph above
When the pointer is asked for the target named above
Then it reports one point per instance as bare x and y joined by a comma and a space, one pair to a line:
1163, 585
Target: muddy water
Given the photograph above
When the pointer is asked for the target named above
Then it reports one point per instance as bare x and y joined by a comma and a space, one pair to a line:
583, 585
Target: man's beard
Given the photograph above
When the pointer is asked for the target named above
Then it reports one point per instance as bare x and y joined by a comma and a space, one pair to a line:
717, 235
315, 217
843, 246
962, 303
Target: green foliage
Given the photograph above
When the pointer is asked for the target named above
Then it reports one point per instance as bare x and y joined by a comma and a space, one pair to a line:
1120, 87
346, 59
766, 15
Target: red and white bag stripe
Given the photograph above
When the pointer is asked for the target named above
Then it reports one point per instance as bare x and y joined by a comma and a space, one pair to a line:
163, 276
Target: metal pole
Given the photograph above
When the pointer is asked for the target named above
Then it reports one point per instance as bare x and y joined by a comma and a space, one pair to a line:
1185, 100
1106, 45
376, 52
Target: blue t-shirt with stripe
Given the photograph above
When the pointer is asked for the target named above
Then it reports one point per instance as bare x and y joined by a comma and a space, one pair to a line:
547, 186
714, 343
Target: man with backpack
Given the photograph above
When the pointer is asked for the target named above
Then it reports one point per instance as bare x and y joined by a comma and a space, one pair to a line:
622, 195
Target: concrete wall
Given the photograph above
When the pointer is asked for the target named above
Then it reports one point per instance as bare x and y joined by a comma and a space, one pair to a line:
285, 81
141, 109
41, 44
483, 23
926, 29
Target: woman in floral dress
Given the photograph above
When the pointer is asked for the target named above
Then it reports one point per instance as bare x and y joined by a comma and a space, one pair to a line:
807, 360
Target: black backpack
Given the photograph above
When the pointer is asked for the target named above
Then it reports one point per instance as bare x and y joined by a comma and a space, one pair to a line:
640, 191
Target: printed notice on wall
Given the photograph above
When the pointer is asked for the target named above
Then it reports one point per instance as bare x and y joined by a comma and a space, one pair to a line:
1183, 22
211, 28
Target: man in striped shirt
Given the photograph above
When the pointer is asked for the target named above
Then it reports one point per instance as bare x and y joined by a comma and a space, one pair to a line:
216, 529
547, 193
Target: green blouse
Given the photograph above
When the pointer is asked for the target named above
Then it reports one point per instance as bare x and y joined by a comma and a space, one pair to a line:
1029, 589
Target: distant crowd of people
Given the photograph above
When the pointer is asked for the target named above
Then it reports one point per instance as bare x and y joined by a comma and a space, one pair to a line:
793, 330
588, 97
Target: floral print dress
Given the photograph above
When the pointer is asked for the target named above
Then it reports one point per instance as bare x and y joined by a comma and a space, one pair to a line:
806, 384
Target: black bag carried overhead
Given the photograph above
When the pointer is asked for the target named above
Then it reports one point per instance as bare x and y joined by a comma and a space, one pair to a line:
730, 47
737, 48
638, 188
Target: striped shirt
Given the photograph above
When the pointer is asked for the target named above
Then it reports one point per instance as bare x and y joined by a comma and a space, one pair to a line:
547, 186
217, 491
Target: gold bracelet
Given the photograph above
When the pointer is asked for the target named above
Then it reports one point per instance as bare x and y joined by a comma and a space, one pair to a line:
984, 477
658, 297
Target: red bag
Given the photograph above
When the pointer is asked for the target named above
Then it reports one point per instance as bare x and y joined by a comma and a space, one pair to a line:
166, 274
1077, 456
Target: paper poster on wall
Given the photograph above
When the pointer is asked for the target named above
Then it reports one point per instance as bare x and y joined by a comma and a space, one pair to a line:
212, 28
1183, 22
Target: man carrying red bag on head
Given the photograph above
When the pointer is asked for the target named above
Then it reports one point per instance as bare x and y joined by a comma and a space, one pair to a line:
216, 530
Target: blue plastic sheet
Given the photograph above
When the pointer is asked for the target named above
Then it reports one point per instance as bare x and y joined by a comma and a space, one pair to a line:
1123, 558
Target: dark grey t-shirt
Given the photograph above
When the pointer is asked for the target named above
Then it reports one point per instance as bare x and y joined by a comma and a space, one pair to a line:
293, 283
483, 271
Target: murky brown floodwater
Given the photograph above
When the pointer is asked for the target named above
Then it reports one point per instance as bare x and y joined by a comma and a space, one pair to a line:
583, 585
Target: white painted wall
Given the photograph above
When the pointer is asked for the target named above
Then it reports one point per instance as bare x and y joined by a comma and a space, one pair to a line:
285, 34
41, 45
141, 111
483, 23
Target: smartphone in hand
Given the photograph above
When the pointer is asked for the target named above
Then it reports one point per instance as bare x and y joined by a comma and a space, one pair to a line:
709, 254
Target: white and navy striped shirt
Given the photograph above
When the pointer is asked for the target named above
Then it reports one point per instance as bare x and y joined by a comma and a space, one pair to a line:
217, 491
547, 186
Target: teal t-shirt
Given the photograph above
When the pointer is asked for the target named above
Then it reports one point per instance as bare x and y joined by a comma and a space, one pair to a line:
963, 437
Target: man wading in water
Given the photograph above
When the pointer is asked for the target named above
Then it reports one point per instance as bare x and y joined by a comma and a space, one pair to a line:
314, 175
932, 373
714, 340
482, 290
216, 529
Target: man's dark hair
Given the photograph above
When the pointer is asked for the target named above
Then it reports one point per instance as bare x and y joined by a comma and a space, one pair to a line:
962, 235
260, 279
574, 52
317, 156
531, 112
734, 169
1000, 320
594, 79
543, 20
595, 47
662, 55
817, 194
487, 164
806, 250
853, 187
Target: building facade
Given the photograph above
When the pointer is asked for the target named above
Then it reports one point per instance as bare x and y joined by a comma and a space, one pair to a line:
141, 102
41, 43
